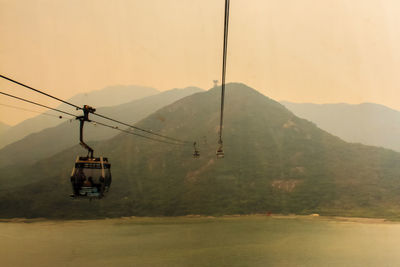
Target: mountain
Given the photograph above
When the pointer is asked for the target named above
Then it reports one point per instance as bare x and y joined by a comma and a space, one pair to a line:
109, 96
274, 162
52, 140
366, 123
4, 127
113, 95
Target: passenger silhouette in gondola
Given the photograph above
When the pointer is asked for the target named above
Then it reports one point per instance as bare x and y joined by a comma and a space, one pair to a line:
100, 185
89, 182
79, 178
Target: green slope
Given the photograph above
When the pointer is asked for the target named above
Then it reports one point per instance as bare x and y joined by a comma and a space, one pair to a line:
274, 162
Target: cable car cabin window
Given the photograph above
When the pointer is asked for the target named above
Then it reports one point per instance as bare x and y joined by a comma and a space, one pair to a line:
92, 170
94, 173
80, 165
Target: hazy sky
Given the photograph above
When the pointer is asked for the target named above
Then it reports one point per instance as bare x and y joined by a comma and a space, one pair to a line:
299, 50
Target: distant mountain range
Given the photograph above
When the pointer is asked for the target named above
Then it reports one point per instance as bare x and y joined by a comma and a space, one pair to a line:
50, 141
4, 127
367, 123
274, 162
109, 96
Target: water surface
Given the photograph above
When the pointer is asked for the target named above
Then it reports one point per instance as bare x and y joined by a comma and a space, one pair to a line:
240, 241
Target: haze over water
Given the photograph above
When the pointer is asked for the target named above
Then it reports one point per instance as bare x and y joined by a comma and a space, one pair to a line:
242, 241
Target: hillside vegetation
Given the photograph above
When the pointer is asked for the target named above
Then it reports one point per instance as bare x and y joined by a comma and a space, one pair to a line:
275, 162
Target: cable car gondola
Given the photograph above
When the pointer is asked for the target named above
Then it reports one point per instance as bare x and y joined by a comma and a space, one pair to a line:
196, 153
91, 176
220, 151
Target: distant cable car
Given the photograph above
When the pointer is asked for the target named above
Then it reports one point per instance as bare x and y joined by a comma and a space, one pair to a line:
196, 153
220, 153
91, 176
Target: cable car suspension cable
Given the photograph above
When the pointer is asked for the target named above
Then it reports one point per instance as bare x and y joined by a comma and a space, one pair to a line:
129, 132
143, 130
29, 110
39, 91
99, 123
32, 102
220, 152
102, 116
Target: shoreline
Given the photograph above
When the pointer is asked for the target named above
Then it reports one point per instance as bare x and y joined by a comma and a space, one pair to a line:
311, 217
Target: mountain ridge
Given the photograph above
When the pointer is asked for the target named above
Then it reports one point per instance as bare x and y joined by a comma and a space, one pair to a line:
4, 127
274, 162
367, 123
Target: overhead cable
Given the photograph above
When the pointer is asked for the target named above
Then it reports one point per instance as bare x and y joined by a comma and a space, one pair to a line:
102, 116
224, 56
29, 110
99, 123
130, 132
35, 103
39, 91
143, 130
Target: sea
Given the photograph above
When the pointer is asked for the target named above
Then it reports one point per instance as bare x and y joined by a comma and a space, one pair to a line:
254, 240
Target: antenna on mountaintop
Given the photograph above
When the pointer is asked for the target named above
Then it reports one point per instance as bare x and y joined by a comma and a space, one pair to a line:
215, 83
